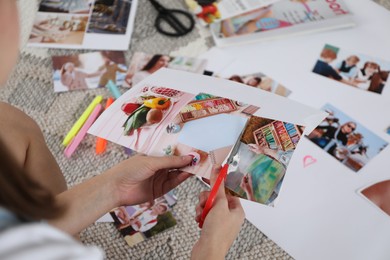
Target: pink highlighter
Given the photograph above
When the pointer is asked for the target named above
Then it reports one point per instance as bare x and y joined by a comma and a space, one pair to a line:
83, 131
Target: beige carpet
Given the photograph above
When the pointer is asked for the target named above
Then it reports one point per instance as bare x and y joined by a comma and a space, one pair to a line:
30, 88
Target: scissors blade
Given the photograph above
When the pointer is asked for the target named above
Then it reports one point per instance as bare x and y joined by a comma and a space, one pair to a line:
236, 146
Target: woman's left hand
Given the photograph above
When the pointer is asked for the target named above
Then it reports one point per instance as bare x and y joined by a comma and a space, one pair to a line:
142, 178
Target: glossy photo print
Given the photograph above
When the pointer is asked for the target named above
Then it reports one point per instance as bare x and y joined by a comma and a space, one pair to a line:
110, 17
140, 222
59, 28
261, 81
261, 161
88, 71
66, 6
356, 70
143, 65
379, 195
350, 143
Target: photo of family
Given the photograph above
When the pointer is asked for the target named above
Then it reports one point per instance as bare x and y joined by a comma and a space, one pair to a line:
88, 71
265, 150
346, 140
110, 16
261, 81
356, 70
59, 28
140, 222
143, 65
66, 6
379, 195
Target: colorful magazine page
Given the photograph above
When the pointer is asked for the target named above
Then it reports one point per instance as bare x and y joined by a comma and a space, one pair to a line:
353, 69
161, 115
144, 64
266, 148
84, 24
378, 194
139, 222
284, 18
88, 71
216, 10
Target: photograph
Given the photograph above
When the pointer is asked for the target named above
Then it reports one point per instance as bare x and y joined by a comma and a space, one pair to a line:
143, 65
379, 195
140, 222
350, 143
66, 6
356, 70
261, 161
88, 71
261, 81
110, 16
58, 28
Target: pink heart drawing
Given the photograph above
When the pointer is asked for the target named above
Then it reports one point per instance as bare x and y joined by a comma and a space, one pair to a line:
308, 160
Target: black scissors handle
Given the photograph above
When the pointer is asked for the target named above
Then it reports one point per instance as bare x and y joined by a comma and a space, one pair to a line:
170, 16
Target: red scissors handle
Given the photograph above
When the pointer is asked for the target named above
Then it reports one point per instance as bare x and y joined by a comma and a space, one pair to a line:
213, 193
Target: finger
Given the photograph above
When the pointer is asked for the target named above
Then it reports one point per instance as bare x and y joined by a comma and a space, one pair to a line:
169, 162
213, 178
236, 207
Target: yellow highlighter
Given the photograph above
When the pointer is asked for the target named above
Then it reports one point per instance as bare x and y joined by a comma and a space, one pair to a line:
80, 122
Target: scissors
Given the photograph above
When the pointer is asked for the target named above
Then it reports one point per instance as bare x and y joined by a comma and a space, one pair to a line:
232, 160
172, 22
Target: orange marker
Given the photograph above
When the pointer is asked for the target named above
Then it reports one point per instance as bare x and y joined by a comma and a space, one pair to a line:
100, 142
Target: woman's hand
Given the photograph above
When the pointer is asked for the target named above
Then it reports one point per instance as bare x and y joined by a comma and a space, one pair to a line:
142, 178
221, 226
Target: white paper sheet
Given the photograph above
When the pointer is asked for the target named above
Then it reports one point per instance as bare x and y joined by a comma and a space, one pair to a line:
319, 214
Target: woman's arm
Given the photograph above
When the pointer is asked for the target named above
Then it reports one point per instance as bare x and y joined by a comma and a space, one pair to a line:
133, 181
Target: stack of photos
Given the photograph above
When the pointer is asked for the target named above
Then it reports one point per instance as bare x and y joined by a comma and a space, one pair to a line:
68, 23
353, 69
140, 222
261, 81
88, 71
265, 150
346, 140
143, 65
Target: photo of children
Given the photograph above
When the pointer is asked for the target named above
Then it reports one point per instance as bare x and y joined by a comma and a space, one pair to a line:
356, 70
261, 81
66, 6
262, 158
143, 65
88, 71
379, 195
346, 140
110, 16
140, 222
59, 28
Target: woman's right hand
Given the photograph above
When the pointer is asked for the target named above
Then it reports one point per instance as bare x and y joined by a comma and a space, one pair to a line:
222, 224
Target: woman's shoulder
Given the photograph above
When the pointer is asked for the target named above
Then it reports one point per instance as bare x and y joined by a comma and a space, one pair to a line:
42, 241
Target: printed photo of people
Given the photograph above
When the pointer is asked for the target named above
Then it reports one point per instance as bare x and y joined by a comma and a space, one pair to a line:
261, 81
140, 222
356, 70
110, 16
66, 6
261, 162
143, 65
346, 140
379, 195
59, 28
88, 71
